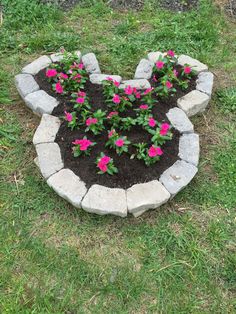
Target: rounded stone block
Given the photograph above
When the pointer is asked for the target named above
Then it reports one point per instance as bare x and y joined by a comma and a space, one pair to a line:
194, 63
193, 103
69, 186
49, 158
139, 84
91, 63
47, 129
144, 70
178, 176
205, 82
179, 120
98, 78
155, 56
144, 196
26, 84
189, 148
40, 102
102, 200
37, 65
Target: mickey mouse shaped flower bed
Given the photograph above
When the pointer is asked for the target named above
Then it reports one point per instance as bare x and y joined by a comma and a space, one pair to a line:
114, 134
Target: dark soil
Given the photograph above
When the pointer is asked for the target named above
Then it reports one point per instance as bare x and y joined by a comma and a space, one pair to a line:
179, 5
131, 171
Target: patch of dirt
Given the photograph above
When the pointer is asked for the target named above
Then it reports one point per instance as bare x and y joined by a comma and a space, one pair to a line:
64, 4
179, 5
228, 6
126, 4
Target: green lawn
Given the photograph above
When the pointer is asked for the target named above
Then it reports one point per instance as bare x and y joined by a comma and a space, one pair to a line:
56, 259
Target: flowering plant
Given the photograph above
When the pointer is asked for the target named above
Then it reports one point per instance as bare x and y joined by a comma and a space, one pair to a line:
95, 122
82, 146
70, 117
161, 134
119, 143
106, 165
149, 155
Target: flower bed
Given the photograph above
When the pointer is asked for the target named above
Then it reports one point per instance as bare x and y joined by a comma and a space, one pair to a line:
116, 135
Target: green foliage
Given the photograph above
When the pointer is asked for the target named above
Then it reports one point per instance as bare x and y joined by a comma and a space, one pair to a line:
20, 14
227, 99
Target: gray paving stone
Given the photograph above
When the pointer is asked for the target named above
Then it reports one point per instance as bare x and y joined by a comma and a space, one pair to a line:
103, 200
179, 120
189, 149
197, 65
193, 103
69, 186
47, 129
56, 57
37, 65
178, 176
139, 84
205, 82
98, 78
49, 158
144, 196
40, 102
144, 70
91, 63
154, 56
25, 84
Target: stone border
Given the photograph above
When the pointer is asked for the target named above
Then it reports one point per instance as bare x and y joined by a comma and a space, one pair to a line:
100, 199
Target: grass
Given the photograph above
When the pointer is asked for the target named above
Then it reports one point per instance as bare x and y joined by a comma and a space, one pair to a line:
55, 259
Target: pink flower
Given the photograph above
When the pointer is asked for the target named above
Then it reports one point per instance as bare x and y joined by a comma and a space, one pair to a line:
148, 90
109, 79
154, 151
175, 72
143, 107
168, 84
68, 116
119, 142
81, 66
171, 53
80, 100
105, 160
116, 99
165, 126
187, 70
63, 76
151, 122
59, 88
81, 94
138, 95
77, 76
128, 90
154, 78
90, 121
116, 83
102, 164
102, 167
111, 133
159, 64
83, 144
111, 114
164, 129
51, 73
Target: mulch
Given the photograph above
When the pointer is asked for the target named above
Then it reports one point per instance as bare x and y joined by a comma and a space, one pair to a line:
131, 171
